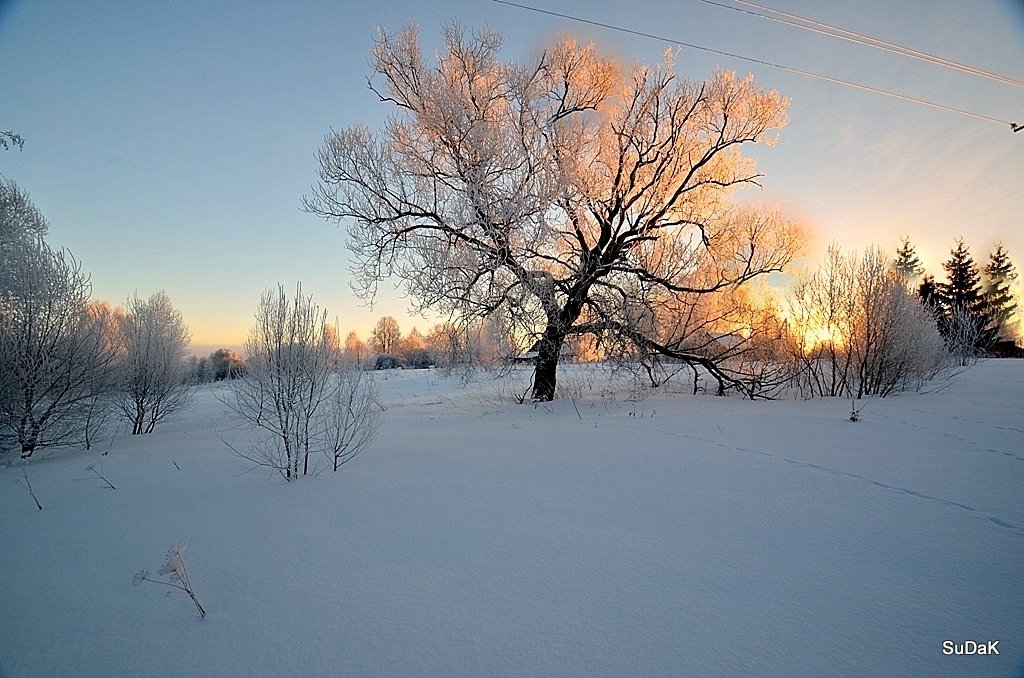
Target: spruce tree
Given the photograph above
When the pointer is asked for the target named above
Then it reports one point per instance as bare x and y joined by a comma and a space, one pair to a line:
964, 282
963, 290
907, 263
1000, 275
928, 292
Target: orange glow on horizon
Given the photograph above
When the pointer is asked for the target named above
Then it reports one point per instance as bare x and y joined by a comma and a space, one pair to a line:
815, 337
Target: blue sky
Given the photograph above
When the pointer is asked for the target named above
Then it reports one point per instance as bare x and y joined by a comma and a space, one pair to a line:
170, 143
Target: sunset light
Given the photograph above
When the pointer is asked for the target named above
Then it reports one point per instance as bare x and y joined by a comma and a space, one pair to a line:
815, 337
572, 338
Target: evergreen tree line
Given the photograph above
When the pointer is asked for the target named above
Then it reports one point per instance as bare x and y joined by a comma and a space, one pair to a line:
974, 308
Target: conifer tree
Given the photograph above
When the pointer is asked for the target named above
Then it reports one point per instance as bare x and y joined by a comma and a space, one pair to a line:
999, 276
907, 263
964, 281
963, 294
928, 292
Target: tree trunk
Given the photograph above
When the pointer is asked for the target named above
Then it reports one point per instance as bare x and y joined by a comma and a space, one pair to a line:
549, 349
545, 374
29, 444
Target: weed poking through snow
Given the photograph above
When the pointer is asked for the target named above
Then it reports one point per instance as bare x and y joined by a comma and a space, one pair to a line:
177, 576
99, 474
28, 485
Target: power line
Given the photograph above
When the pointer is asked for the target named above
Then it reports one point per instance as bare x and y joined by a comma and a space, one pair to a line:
829, 30
867, 88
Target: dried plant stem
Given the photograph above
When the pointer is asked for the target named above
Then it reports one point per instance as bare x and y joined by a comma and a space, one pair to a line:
101, 476
187, 589
177, 575
28, 486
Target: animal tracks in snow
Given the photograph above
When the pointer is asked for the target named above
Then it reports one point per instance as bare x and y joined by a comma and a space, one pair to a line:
995, 520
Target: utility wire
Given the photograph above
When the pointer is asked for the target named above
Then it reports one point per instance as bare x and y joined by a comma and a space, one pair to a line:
896, 95
821, 28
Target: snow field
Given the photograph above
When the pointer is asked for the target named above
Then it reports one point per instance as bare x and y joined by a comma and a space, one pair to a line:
676, 536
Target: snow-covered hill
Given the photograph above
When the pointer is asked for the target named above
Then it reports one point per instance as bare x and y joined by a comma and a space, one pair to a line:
675, 536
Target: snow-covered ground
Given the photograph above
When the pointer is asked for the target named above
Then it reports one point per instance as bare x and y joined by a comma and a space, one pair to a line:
675, 536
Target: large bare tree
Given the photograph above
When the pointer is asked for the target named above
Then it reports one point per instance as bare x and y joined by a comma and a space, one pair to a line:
568, 194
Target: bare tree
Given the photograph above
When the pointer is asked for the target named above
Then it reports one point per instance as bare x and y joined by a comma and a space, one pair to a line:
154, 381
101, 404
821, 312
224, 364
561, 193
293, 390
413, 350
386, 335
463, 348
55, 356
20, 220
896, 342
351, 417
52, 355
964, 334
857, 329
448, 344
289, 362
354, 351
332, 337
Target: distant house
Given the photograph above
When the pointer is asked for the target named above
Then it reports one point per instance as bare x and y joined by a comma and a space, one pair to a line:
531, 356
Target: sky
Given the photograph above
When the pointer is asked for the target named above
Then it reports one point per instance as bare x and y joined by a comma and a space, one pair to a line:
170, 143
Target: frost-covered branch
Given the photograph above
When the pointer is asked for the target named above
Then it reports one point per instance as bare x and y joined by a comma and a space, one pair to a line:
524, 190
298, 392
